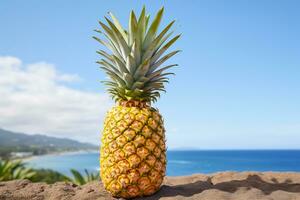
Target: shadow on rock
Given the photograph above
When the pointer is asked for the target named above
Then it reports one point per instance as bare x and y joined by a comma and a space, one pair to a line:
252, 181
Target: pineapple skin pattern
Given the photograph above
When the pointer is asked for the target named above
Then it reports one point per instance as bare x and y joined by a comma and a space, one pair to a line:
133, 152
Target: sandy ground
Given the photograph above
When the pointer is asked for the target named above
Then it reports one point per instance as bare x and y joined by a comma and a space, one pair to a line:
226, 185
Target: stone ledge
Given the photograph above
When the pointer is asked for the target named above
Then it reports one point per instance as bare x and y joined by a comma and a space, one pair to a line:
224, 185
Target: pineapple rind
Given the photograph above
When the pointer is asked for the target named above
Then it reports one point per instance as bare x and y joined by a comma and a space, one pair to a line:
133, 152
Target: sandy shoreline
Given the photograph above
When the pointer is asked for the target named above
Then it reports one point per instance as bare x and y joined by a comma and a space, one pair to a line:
25, 159
218, 186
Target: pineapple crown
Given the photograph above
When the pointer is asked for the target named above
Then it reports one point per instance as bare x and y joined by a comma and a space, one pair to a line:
134, 64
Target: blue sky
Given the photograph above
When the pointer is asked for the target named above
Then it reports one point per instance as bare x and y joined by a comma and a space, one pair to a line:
237, 85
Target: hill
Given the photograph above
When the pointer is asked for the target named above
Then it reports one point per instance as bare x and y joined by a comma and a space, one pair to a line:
37, 144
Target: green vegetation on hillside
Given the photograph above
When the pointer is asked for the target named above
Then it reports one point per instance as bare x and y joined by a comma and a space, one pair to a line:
37, 144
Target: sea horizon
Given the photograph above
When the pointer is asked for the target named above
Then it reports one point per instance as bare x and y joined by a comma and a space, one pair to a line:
185, 162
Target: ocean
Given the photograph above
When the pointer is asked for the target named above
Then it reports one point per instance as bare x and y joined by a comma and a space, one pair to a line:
186, 162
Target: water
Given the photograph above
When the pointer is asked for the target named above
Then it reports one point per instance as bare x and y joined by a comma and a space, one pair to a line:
187, 162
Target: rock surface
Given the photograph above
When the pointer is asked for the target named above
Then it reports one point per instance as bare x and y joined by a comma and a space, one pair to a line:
219, 186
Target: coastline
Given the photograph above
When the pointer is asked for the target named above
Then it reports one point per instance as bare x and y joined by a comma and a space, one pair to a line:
29, 158
180, 163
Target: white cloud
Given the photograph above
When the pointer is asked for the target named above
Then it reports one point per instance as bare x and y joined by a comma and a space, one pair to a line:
34, 98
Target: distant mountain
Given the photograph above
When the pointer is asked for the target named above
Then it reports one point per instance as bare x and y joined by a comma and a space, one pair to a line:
37, 144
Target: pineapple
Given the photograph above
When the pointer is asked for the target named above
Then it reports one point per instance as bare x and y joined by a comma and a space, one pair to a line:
133, 150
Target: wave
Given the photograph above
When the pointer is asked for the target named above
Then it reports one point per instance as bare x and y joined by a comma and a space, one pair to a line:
184, 162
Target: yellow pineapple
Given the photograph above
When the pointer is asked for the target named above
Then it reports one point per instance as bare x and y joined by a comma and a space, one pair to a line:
133, 150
